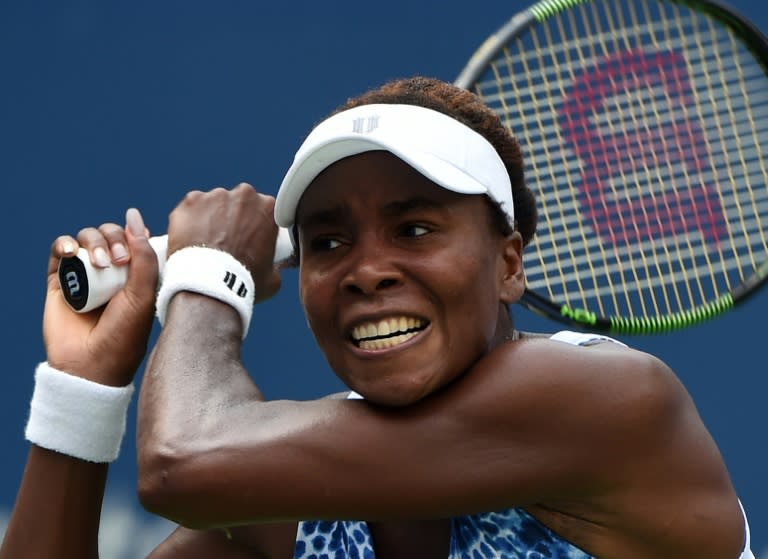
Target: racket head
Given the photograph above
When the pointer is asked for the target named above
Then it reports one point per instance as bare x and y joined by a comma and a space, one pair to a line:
642, 124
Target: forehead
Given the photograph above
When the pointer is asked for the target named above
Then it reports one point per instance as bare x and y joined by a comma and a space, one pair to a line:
372, 178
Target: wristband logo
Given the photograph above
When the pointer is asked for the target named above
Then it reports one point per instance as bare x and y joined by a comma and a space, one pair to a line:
230, 279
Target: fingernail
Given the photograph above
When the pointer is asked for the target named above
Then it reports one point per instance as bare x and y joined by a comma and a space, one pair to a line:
100, 257
134, 223
119, 252
68, 247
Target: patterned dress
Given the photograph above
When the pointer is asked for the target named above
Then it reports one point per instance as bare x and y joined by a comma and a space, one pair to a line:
509, 534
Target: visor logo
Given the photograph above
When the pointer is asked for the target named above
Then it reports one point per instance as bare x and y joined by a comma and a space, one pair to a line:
365, 125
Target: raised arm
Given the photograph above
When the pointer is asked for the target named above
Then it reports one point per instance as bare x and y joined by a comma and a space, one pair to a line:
535, 423
488, 441
59, 501
58, 505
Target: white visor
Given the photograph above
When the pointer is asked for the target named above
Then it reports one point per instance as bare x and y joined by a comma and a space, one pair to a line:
442, 149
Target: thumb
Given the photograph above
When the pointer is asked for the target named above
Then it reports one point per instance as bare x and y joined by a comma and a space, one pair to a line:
141, 285
133, 307
122, 333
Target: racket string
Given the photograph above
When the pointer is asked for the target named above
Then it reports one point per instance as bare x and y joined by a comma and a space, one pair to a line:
698, 235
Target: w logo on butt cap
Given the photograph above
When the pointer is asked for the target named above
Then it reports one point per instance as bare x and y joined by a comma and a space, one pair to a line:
230, 279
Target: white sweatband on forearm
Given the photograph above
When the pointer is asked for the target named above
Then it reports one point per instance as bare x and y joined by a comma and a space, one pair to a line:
210, 272
77, 417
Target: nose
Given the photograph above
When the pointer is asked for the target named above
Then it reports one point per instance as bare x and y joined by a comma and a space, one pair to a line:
370, 271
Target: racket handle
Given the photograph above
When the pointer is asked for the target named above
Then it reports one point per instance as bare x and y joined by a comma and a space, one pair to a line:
86, 287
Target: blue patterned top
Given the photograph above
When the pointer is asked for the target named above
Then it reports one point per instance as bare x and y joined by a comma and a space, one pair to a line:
509, 534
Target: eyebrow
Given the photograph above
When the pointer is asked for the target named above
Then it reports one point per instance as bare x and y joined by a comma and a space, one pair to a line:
325, 217
338, 213
399, 207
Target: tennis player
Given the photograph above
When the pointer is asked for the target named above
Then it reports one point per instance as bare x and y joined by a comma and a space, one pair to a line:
461, 436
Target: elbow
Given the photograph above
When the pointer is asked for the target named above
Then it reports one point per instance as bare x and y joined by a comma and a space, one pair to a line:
157, 480
167, 485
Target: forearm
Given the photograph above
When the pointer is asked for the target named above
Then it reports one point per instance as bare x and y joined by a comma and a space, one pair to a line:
57, 509
193, 393
193, 370
76, 427
78, 410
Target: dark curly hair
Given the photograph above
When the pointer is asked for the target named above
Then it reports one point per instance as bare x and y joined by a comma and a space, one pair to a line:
467, 108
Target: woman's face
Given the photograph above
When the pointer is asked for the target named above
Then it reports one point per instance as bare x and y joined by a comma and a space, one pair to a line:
402, 281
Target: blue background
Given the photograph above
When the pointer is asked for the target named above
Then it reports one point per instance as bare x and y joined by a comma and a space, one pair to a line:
106, 105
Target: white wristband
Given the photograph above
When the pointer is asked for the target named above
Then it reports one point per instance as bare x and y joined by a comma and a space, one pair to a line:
210, 272
77, 417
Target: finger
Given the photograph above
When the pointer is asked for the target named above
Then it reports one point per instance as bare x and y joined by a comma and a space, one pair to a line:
115, 236
134, 223
64, 246
243, 186
93, 240
131, 310
269, 287
143, 273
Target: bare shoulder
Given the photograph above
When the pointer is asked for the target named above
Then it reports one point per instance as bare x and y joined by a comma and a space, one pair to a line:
641, 440
596, 367
604, 403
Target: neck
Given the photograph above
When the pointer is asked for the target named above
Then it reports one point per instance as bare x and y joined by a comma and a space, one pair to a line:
505, 329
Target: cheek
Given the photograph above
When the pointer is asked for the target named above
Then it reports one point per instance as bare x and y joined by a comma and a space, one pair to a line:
307, 297
476, 295
312, 296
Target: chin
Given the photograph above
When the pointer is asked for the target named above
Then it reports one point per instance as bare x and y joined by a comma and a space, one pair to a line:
394, 392
390, 400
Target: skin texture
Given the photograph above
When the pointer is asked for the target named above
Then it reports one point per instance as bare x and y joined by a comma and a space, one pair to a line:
601, 443
405, 266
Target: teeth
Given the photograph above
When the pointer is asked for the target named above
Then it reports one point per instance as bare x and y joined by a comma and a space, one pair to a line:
371, 331
396, 330
386, 342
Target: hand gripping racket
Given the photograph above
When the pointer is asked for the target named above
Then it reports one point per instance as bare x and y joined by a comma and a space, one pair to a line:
86, 287
643, 123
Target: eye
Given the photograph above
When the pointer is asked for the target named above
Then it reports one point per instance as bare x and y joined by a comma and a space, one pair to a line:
324, 244
415, 230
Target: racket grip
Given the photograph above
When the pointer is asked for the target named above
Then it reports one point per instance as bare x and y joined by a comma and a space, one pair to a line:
86, 287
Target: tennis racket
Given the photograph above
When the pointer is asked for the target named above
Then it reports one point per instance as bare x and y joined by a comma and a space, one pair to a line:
643, 123
86, 287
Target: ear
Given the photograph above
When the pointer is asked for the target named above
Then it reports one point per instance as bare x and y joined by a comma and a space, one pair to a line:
511, 274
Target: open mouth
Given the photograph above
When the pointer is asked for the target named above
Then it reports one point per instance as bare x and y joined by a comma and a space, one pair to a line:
387, 333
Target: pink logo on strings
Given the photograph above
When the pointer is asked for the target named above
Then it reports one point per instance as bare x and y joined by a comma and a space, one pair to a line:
673, 142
